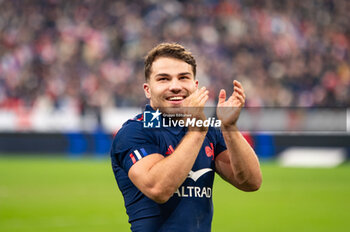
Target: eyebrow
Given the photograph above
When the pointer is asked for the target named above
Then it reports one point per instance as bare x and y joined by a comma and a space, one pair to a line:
162, 75
184, 73
166, 75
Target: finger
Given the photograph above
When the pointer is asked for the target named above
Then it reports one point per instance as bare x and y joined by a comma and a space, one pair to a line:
202, 93
202, 96
197, 97
241, 99
206, 92
204, 100
237, 83
236, 98
199, 92
222, 96
239, 91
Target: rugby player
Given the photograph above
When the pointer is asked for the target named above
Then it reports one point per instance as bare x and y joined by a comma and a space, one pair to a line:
166, 174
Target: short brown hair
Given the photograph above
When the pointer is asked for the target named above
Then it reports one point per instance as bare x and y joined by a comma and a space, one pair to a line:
172, 50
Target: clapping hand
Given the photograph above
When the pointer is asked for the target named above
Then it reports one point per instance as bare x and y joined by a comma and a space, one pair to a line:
229, 110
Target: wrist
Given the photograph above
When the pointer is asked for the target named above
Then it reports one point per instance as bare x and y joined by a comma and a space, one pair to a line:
201, 132
229, 127
198, 124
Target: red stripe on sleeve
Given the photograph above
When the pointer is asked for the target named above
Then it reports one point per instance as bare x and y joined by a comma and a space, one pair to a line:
171, 148
132, 158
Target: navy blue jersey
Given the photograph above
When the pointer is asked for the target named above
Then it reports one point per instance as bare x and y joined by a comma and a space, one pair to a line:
190, 208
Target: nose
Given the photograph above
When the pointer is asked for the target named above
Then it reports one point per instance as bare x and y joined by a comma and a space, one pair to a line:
175, 86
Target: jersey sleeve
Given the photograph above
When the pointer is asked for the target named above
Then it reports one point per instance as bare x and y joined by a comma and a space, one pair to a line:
131, 144
220, 143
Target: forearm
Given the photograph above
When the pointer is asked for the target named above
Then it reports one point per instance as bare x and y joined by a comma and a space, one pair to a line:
243, 160
175, 168
164, 177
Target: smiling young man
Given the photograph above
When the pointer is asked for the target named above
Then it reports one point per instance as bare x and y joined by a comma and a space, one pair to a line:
166, 174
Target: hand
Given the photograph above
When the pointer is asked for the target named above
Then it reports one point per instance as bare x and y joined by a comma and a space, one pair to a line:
194, 104
228, 111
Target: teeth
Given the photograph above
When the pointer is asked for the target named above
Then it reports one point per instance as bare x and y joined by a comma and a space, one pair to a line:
175, 98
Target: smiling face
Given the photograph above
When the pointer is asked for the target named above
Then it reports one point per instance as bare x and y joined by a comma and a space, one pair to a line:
171, 81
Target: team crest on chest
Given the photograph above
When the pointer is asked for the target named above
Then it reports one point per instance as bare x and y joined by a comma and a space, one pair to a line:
209, 151
170, 150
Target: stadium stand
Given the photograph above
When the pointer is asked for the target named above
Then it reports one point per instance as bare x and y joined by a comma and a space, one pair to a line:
86, 55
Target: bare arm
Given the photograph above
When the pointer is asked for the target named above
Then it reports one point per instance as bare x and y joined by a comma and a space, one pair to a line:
239, 164
158, 177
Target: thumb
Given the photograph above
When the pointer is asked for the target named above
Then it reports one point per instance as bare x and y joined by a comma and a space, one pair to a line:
222, 96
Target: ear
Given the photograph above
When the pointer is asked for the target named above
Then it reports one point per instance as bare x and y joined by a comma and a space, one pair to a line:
196, 83
147, 90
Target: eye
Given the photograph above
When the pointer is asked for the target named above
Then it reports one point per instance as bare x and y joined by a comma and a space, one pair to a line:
184, 77
163, 79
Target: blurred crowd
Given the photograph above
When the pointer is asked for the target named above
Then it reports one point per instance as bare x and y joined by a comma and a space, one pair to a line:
87, 55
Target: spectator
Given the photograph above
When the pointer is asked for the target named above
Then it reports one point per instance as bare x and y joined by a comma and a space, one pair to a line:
84, 55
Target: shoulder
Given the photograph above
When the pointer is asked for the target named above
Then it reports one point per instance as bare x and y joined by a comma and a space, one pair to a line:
132, 125
133, 131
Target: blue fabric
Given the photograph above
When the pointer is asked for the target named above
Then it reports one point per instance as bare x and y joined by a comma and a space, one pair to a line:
190, 208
